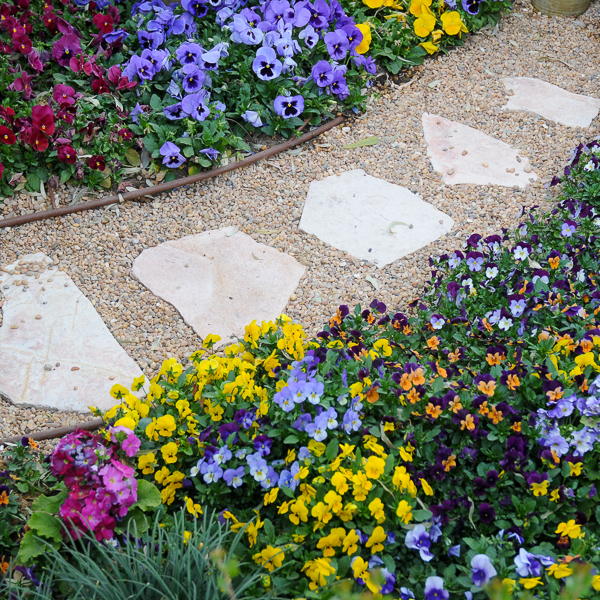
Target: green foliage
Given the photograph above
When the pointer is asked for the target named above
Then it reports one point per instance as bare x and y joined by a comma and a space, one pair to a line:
174, 559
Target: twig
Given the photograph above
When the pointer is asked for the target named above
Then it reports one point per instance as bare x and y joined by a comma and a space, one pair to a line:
555, 60
52, 199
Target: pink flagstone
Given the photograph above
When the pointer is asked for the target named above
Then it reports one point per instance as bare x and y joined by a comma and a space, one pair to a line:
465, 155
55, 350
551, 102
219, 282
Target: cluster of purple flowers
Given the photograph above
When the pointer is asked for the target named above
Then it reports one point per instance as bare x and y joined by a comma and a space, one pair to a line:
101, 487
280, 29
304, 387
558, 418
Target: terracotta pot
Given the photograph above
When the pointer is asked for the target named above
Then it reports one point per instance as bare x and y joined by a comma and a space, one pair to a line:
561, 8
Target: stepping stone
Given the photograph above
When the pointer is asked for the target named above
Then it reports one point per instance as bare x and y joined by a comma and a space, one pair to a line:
551, 102
465, 155
55, 350
370, 218
219, 282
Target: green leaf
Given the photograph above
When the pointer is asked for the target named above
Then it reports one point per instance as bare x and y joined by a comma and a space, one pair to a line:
133, 157
46, 525
33, 182
188, 151
291, 439
49, 504
269, 529
155, 102
287, 491
150, 143
148, 495
422, 515
30, 548
370, 141
332, 449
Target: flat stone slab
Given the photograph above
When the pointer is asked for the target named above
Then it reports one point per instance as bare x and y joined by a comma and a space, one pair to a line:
370, 218
55, 350
465, 155
551, 102
219, 282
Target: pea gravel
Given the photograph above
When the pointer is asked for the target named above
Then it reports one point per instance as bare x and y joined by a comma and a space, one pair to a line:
265, 200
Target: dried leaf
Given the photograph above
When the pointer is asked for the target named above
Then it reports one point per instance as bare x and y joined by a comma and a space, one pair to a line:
468, 107
145, 158
268, 231
133, 157
160, 176
394, 223
370, 141
105, 183
256, 257
372, 281
42, 190
232, 231
513, 43
130, 188
434, 84
149, 183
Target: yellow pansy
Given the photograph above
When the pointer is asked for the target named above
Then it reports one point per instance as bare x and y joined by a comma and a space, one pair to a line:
569, 528
118, 391
138, 383
377, 510
126, 422
451, 22
419, 7
169, 452
365, 44
193, 508
426, 487
559, 570
436, 34
317, 571
431, 48
164, 426
271, 496
510, 584
375, 542
530, 582
147, 462
350, 543
575, 469
316, 448
298, 512
404, 512
374, 467
270, 558
540, 489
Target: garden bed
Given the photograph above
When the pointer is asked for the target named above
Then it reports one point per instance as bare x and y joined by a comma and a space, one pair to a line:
96, 94
422, 454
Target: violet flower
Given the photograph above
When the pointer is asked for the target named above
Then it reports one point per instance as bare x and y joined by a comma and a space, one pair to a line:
482, 569
172, 159
266, 65
289, 106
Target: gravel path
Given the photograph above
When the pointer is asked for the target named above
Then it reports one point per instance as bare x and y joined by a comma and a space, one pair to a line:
97, 248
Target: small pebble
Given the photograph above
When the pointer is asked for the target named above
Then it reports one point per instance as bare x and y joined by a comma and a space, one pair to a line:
112, 377
75, 388
486, 164
450, 171
293, 297
74, 368
527, 169
38, 317
47, 367
14, 327
465, 152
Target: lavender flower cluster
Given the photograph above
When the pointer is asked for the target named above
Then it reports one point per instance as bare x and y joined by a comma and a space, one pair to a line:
283, 33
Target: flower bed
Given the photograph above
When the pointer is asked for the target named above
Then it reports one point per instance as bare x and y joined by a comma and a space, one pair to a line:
94, 92
404, 33
420, 455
